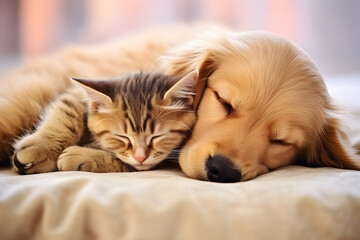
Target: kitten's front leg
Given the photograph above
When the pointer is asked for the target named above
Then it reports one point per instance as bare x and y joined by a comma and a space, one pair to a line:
76, 158
62, 126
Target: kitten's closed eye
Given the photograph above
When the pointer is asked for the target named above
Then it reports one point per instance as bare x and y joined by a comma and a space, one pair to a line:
156, 137
117, 141
122, 137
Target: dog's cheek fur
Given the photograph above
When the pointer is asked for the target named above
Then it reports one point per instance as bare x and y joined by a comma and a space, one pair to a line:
331, 149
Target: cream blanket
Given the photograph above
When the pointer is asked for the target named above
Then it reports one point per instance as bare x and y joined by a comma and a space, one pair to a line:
291, 203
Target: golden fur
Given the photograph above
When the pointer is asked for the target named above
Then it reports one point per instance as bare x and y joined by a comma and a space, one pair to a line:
265, 105
264, 102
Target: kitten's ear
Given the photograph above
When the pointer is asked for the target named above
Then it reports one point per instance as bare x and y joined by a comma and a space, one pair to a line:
193, 57
97, 91
183, 93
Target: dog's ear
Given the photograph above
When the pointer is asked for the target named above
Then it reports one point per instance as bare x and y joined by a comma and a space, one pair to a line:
332, 149
206, 67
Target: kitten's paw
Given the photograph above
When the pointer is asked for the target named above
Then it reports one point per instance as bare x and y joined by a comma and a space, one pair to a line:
77, 158
34, 154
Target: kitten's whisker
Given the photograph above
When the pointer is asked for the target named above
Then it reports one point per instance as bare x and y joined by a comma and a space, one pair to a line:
169, 112
182, 124
161, 115
81, 113
84, 112
104, 120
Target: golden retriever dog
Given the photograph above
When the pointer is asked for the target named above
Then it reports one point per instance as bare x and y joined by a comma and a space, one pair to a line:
261, 101
264, 105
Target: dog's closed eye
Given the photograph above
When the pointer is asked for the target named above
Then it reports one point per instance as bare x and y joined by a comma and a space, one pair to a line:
279, 142
227, 106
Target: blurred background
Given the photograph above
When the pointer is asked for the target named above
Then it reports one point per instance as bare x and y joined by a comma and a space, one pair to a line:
329, 30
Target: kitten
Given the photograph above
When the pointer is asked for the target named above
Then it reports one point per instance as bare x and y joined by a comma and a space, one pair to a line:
125, 124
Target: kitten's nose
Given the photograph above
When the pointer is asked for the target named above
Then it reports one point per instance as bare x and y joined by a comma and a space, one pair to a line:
140, 154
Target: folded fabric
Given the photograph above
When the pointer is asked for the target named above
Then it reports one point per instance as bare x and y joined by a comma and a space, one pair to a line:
291, 203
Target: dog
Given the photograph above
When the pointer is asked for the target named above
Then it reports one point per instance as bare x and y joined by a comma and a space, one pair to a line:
261, 101
264, 105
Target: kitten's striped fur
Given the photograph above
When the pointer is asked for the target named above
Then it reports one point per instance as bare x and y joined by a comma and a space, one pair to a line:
138, 119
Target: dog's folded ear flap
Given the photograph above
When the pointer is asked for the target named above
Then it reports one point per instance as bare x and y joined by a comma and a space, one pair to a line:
332, 149
205, 68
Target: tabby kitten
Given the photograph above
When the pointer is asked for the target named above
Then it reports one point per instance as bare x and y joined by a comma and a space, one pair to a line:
124, 124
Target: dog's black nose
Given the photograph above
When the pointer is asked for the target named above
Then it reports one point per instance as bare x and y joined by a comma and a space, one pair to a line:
220, 169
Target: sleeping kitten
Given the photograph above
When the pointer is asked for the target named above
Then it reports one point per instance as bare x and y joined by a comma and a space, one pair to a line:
125, 124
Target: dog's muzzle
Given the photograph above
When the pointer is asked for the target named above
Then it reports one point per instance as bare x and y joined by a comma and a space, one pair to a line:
221, 169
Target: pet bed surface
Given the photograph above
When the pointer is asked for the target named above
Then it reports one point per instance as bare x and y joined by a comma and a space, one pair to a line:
293, 202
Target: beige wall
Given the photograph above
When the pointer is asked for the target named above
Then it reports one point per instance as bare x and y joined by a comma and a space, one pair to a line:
327, 29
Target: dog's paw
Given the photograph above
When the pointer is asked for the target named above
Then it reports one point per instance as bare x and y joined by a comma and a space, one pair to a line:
34, 154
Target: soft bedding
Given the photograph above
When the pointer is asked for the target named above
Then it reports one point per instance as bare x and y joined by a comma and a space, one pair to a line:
293, 202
